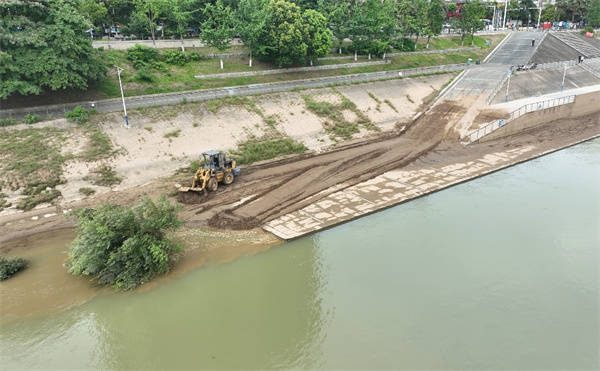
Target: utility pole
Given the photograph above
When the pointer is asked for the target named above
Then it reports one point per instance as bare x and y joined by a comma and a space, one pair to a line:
505, 9
539, 14
119, 69
562, 85
508, 83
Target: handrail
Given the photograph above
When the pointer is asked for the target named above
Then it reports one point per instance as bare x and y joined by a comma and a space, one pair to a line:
527, 108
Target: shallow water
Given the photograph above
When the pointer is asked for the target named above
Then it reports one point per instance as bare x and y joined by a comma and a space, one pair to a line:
500, 272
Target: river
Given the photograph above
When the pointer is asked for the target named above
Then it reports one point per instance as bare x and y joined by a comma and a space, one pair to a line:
501, 272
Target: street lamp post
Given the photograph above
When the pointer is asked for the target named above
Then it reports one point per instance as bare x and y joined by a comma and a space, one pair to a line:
505, 9
119, 69
508, 83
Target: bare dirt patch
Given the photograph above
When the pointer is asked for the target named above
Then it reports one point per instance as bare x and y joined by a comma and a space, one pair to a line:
488, 115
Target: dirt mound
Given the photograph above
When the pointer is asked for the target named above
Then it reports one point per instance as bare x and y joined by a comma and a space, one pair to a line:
488, 115
280, 188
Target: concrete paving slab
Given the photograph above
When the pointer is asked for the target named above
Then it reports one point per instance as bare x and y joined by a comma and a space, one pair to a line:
388, 189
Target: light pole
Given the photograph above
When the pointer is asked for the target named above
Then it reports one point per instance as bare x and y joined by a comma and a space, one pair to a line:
119, 69
508, 83
505, 9
562, 84
539, 14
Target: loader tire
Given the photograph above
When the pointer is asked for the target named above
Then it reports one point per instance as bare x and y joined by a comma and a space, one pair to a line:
212, 184
228, 178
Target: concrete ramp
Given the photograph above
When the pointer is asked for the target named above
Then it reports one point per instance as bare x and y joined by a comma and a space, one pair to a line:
578, 43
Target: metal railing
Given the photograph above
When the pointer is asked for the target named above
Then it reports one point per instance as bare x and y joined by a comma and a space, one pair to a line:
531, 107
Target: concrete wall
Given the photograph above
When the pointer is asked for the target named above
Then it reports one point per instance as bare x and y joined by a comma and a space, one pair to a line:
114, 104
584, 104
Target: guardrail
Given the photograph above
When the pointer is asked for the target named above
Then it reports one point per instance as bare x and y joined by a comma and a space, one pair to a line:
531, 107
498, 87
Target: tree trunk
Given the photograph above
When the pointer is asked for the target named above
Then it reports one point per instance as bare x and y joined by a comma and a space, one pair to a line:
428, 38
416, 41
383, 55
369, 56
152, 30
250, 62
340, 50
311, 62
355, 56
462, 40
182, 46
221, 60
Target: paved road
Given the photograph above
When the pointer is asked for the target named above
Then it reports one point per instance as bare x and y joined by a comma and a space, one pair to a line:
483, 79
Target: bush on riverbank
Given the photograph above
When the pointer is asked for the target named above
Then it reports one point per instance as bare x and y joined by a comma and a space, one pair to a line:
124, 246
10, 266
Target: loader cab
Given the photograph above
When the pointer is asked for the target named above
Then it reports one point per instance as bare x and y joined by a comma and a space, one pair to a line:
214, 160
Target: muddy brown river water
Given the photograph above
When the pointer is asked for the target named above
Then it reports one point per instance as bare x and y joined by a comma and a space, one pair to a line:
498, 273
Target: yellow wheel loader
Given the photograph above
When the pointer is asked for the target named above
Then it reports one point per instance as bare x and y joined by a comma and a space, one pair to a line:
217, 168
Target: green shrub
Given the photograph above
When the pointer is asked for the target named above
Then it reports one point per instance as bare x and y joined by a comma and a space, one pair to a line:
105, 175
176, 57
31, 119
403, 45
142, 56
124, 246
194, 56
86, 191
36, 198
10, 266
79, 115
589, 29
258, 150
3, 203
144, 75
7, 122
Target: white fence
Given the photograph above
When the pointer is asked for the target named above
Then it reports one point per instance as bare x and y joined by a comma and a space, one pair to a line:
531, 107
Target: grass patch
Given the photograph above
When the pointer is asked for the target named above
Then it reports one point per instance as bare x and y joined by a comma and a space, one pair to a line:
172, 134
31, 159
31, 119
387, 101
336, 125
86, 191
378, 107
408, 98
105, 176
10, 266
3, 203
99, 145
263, 149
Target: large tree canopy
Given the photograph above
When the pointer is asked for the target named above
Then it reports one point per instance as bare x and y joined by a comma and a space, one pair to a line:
43, 45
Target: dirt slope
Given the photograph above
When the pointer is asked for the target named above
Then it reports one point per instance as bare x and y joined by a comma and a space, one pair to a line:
280, 188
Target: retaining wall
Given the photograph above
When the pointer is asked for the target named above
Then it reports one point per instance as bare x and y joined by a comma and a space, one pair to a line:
584, 104
110, 105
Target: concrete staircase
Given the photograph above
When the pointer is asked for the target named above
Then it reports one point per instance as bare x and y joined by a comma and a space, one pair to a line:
586, 49
592, 66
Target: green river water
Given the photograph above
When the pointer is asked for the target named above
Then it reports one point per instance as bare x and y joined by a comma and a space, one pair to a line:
501, 272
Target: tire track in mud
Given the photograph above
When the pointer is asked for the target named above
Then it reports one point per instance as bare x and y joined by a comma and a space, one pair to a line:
279, 188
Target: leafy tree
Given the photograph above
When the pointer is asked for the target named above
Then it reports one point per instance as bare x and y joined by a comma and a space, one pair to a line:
181, 14
124, 247
318, 36
405, 21
283, 39
436, 15
549, 14
249, 20
92, 10
593, 16
43, 45
339, 16
219, 28
421, 22
372, 26
153, 10
470, 21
